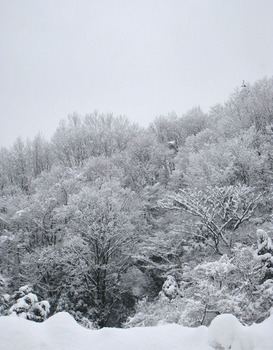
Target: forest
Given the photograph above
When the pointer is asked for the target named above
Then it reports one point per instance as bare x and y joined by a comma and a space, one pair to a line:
123, 226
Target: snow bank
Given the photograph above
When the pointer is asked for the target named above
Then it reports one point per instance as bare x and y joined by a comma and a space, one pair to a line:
61, 332
227, 333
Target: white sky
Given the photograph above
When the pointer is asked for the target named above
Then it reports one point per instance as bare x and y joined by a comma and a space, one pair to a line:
139, 58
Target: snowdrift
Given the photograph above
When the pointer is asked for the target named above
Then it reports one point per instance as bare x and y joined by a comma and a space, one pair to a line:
61, 332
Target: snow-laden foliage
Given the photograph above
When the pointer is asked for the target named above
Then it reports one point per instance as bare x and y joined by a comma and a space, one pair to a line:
170, 288
230, 285
100, 237
25, 304
236, 285
264, 258
265, 252
4, 297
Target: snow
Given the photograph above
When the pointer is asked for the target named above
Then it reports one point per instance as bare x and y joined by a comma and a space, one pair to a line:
25, 289
231, 338
61, 332
226, 332
24, 303
6, 297
42, 308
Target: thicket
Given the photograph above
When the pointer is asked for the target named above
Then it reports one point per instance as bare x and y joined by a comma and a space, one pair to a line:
119, 224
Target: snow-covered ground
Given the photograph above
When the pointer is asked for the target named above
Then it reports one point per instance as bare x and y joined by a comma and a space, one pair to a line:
61, 332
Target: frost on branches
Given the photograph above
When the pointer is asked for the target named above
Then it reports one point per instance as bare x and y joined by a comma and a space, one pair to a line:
217, 212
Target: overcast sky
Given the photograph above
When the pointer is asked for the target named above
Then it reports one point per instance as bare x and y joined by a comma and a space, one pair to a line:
139, 58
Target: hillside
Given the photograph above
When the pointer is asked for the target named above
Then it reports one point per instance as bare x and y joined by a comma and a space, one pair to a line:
123, 226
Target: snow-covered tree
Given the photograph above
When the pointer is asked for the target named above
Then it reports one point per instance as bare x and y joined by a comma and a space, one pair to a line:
80, 138
217, 212
264, 254
4, 296
264, 258
230, 285
99, 243
234, 285
168, 130
145, 162
208, 159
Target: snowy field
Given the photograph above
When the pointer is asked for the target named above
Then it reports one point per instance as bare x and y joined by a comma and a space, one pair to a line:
61, 332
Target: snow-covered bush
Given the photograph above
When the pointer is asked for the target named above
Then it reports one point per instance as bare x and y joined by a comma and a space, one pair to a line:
24, 303
170, 288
